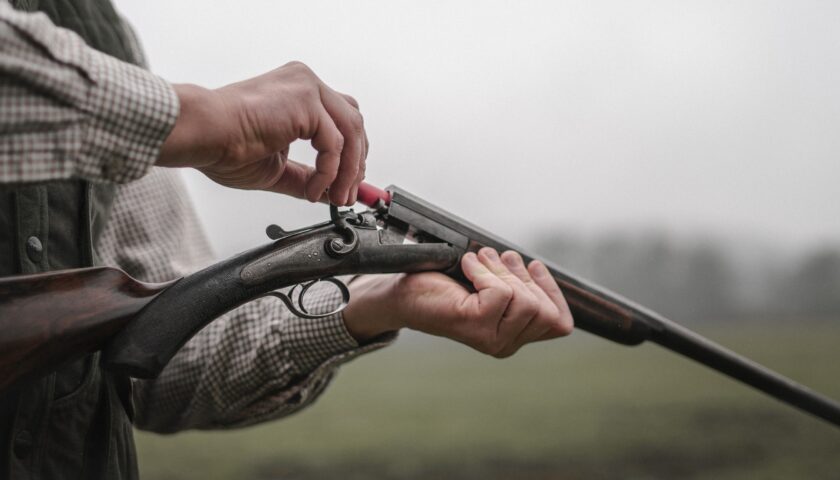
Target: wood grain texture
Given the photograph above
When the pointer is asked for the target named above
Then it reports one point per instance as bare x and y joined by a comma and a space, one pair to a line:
51, 318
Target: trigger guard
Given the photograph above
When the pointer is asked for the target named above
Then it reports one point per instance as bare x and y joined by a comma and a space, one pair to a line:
295, 303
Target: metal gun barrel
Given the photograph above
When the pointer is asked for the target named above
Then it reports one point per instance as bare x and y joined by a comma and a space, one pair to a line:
604, 313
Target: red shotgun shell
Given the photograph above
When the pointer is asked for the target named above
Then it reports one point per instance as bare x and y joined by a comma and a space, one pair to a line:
369, 195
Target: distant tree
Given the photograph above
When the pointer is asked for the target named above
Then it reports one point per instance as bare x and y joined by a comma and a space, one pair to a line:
814, 288
692, 282
684, 281
709, 283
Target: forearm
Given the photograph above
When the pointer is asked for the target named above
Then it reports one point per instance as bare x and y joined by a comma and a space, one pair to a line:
255, 364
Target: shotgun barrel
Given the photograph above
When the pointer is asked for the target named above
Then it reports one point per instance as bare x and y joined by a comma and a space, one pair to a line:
596, 309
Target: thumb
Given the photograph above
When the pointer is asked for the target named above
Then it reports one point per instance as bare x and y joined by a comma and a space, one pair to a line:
293, 180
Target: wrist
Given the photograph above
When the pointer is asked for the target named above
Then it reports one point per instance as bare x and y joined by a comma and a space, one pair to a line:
200, 135
373, 308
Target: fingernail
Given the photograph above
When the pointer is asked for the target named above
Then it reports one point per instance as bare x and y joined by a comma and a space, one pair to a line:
512, 258
541, 270
491, 253
469, 257
509, 259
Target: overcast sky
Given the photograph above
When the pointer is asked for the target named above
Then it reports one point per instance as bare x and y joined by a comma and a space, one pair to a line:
692, 117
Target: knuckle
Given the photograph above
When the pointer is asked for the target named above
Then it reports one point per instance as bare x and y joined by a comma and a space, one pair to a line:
504, 353
486, 346
357, 121
565, 325
531, 306
338, 143
507, 292
352, 172
491, 344
299, 66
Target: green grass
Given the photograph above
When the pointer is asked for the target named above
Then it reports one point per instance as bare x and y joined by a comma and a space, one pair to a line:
577, 408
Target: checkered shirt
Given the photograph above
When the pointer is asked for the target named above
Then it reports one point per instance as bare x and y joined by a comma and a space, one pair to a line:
68, 111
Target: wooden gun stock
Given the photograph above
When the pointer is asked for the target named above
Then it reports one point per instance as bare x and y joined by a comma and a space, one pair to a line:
51, 318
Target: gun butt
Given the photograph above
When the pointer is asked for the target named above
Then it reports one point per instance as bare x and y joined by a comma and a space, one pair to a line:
51, 318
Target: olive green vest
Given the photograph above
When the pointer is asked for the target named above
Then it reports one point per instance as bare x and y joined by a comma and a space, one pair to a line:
76, 422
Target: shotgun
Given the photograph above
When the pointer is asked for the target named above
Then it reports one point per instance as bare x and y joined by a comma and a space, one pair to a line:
141, 326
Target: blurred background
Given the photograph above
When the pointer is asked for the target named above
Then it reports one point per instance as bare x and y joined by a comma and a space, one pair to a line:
684, 154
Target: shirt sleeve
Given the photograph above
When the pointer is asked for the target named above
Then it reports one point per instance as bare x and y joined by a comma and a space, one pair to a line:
68, 110
256, 363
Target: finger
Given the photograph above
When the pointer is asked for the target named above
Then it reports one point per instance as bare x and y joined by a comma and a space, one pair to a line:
533, 332
522, 308
547, 323
352, 101
351, 125
329, 142
513, 262
293, 181
360, 176
362, 168
492, 294
354, 191
359, 179
543, 278
478, 274
367, 145
490, 259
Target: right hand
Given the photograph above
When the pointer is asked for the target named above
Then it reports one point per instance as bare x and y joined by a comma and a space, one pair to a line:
239, 135
512, 304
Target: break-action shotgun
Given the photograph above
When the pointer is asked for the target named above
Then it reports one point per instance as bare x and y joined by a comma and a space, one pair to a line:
50, 318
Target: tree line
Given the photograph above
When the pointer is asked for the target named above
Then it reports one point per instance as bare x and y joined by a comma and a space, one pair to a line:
703, 280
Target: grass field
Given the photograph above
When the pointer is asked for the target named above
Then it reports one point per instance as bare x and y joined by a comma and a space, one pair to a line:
581, 408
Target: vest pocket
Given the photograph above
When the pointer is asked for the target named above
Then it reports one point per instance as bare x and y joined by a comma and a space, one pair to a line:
72, 377
72, 422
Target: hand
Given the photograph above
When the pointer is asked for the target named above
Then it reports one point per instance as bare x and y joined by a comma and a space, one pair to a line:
512, 304
239, 135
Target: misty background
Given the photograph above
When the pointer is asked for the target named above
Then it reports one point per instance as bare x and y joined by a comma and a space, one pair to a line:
684, 154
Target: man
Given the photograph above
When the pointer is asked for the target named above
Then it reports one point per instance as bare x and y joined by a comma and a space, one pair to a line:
80, 129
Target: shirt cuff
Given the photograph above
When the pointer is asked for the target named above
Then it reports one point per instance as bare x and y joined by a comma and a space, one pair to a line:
131, 113
313, 342
319, 347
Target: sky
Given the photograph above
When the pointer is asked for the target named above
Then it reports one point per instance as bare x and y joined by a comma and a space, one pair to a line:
708, 118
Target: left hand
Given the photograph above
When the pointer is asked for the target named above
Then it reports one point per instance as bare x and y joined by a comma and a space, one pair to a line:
239, 135
512, 304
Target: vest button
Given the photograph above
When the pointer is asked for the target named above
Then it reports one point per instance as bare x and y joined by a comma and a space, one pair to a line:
34, 249
23, 444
